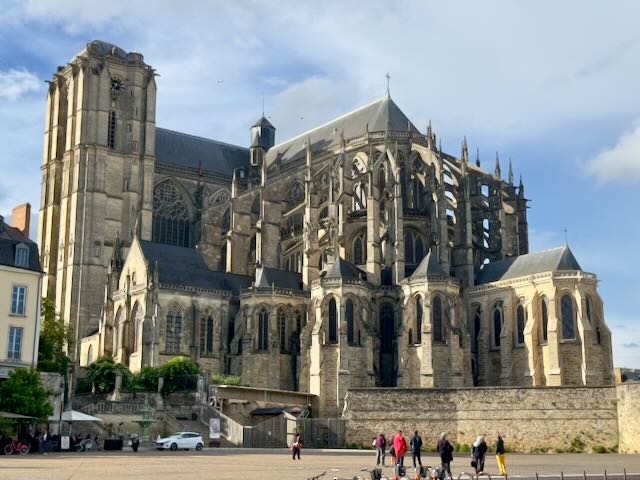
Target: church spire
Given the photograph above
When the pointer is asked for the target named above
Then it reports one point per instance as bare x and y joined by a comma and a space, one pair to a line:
497, 173
477, 156
521, 188
465, 151
510, 172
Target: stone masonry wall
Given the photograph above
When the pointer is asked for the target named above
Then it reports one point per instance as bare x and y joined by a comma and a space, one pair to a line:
530, 419
629, 417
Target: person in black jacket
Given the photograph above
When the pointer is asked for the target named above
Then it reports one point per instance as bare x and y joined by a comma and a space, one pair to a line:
500, 456
445, 450
416, 446
479, 451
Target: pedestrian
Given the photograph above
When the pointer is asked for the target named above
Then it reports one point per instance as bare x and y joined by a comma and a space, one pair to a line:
400, 448
297, 446
44, 442
416, 447
134, 442
500, 456
445, 450
478, 452
381, 445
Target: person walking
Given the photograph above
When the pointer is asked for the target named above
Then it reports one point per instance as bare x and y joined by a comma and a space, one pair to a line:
416, 447
134, 442
297, 446
445, 450
44, 442
381, 445
500, 456
479, 451
400, 448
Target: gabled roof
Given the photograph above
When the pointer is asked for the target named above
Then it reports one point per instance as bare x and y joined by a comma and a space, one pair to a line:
267, 277
183, 150
186, 267
556, 259
377, 117
343, 269
10, 239
429, 267
263, 122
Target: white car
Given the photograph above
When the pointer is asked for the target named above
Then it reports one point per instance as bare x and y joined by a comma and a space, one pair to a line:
185, 440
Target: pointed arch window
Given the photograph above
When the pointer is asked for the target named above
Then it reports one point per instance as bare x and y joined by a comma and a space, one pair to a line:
171, 223
206, 335
588, 309
413, 250
436, 312
252, 249
568, 317
360, 249
382, 179
173, 336
263, 330
349, 315
282, 329
520, 321
545, 319
333, 321
418, 320
497, 326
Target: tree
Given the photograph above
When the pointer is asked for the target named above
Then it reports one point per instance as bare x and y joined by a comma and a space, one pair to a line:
102, 374
23, 393
179, 373
55, 335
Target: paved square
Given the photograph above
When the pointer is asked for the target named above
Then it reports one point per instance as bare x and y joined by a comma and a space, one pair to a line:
225, 464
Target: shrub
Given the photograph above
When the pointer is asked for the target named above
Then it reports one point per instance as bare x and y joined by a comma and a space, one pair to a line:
180, 373
102, 375
24, 394
462, 448
577, 445
600, 449
146, 380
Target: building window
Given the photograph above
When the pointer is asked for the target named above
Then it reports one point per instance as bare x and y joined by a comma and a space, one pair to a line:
359, 250
413, 250
282, 329
436, 311
520, 320
90, 355
171, 224
22, 256
18, 300
567, 312
263, 330
333, 321
349, 315
252, 250
545, 319
111, 138
497, 326
174, 330
588, 309
14, 351
206, 336
418, 320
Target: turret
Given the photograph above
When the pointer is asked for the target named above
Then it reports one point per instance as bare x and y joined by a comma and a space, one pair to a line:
263, 136
510, 172
497, 172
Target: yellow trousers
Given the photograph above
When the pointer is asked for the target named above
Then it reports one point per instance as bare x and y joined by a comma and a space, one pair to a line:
501, 466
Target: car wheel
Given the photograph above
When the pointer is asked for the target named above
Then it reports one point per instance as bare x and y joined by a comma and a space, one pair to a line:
199, 447
174, 447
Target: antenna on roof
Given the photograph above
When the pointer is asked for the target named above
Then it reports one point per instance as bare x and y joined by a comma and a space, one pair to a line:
566, 237
388, 77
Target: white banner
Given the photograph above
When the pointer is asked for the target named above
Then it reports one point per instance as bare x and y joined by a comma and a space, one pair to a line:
64, 442
214, 428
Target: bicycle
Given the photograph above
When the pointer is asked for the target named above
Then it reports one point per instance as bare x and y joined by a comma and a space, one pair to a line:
84, 446
17, 447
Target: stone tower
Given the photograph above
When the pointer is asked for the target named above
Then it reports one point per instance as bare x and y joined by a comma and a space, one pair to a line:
97, 174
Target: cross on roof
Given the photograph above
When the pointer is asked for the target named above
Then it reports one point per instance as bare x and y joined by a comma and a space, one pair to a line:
388, 77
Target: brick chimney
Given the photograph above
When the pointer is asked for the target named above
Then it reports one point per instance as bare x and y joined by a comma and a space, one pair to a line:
20, 217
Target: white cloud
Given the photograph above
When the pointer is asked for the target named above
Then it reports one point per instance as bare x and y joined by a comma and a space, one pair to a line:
14, 83
621, 163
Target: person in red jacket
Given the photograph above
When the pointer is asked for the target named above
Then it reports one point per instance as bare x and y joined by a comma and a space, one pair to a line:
400, 447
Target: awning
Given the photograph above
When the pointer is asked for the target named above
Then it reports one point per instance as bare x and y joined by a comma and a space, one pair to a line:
16, 416
74, 416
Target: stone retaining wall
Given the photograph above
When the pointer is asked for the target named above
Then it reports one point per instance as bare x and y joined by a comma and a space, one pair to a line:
530, 419
629, 417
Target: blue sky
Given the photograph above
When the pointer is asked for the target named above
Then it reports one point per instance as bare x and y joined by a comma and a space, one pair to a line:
553, 85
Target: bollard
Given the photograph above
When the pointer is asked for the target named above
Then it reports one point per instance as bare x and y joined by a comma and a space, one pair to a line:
536, 475
605, 474
561, 475
625, 474
584, 474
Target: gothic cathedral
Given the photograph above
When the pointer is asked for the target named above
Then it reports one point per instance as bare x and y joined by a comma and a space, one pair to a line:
357, 254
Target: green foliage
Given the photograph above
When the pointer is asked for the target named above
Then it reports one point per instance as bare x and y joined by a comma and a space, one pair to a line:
146, 380
23, 393
102, 375
179, 373
6, 428
462, 448
600, 449
577, 445
83, 385
218, 379
55, 335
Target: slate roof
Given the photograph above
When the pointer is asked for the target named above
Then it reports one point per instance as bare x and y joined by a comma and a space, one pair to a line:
376, 116
429, 267
266, 277
186, 267
343, 269
556, 259
262, 122
183, 150
10, 238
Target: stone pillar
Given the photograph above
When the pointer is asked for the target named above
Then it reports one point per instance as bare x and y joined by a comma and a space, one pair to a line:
506, 343
373, 228
398, 241
342, 373
426, 365
552, 360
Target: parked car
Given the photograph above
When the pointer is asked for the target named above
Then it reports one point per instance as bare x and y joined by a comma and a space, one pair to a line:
185, 440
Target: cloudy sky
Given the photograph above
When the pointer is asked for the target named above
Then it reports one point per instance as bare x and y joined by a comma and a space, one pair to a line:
553, 85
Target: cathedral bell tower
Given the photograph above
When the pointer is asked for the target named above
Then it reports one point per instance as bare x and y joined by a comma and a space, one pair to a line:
263, 136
